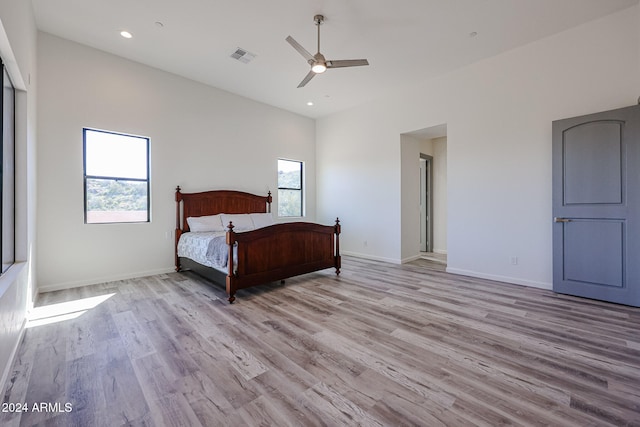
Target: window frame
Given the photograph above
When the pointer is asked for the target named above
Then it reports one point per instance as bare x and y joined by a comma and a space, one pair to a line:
9, 246
301, 189
116, 178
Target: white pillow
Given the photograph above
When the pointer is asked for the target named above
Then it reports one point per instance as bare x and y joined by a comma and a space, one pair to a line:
261, 219
205, 223
241, 222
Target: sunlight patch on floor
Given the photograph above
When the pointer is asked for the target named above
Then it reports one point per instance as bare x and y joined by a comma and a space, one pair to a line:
54, 313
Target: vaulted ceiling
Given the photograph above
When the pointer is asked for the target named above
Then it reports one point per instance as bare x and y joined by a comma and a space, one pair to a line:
405, 41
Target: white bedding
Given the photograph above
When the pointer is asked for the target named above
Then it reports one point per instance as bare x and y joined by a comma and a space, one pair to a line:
196, 246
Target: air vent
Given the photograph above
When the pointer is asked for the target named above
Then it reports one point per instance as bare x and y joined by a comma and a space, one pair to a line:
243, 55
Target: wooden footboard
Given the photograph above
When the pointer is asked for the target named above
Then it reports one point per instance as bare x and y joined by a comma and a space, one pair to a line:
281, 251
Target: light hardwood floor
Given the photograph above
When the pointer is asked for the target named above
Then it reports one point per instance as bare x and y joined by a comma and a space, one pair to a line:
380, 345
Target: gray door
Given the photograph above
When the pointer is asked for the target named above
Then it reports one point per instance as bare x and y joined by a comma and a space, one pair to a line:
596, 206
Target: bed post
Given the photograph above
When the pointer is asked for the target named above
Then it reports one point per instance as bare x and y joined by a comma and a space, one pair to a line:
178, 226
269, 199
231, 241
337, 258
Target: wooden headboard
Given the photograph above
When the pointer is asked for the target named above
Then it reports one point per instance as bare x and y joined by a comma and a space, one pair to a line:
215, 202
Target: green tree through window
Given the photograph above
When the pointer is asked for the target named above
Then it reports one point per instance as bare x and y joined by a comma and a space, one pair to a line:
289, 188
116, 177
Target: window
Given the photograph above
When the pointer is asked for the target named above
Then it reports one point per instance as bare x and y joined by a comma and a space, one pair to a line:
116, 177
289, 188
7, 172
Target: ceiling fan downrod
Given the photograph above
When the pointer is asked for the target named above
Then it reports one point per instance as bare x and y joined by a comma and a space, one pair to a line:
319, 20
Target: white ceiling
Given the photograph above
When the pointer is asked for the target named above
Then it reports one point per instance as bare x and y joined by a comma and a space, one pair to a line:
406, 43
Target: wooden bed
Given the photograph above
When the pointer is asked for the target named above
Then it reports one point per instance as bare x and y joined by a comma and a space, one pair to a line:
264, 255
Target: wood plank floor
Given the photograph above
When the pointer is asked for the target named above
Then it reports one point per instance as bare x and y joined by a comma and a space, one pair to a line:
380, 345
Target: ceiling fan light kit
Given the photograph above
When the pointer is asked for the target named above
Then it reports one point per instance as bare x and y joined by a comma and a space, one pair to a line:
318, 62
319, 67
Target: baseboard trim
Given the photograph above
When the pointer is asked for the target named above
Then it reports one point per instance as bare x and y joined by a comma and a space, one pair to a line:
409, 259
458, 271
371, 257
104, 279
498, 278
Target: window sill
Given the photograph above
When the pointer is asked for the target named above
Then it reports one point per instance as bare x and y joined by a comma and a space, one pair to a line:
10, 276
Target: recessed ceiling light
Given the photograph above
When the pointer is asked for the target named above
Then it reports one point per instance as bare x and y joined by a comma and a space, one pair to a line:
310, 104
126, 34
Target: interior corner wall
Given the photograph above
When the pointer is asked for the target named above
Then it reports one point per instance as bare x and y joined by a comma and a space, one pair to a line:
410, 149
498, 113
201, 138
18, 51
439, 195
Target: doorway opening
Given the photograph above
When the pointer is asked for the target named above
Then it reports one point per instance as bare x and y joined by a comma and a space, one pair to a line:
426, 213
424, 194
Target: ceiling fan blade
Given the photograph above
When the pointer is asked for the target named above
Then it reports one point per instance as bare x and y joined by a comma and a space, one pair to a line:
297, 46
347, 63
306, 79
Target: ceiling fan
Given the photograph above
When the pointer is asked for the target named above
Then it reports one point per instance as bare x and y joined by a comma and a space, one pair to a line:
318, 62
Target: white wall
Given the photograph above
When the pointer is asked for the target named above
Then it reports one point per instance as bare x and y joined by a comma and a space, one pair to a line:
358, 180
18, 51
498, 114
201, 138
